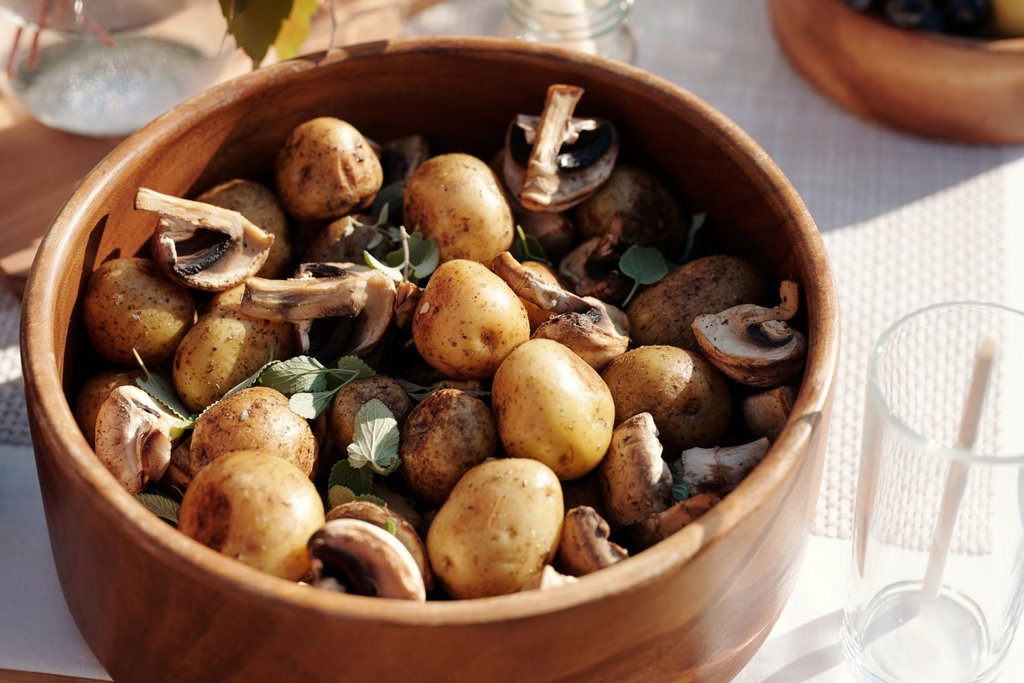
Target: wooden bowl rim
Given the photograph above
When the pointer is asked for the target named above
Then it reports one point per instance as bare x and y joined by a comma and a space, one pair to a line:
71, 453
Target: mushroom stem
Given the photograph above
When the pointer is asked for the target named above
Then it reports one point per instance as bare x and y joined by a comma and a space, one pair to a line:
661, 525
789, 291
719, 470
530, 286
542, 169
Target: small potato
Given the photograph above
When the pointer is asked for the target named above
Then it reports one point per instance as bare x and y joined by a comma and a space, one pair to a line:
326, 169
500, 526
684, 393
346, 405
468, 321
223, 349
257, 508
130, 304
446, 435
663, 313
94, 392
261, 206
553, 407
457, 199
254, 419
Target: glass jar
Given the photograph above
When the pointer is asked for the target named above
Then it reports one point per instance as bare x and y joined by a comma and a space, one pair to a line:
599, 27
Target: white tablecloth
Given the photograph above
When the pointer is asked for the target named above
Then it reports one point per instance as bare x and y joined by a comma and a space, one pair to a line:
907, 222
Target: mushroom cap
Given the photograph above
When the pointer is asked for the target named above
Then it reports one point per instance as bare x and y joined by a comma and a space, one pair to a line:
661, 525
719, 470
585, 547
548, 578
355, 556
134, 437
635, 481
380, 516
766, 413
202, 246
597, 336
759, 355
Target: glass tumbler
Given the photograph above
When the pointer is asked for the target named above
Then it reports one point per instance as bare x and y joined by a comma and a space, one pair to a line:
919, 372
599, 27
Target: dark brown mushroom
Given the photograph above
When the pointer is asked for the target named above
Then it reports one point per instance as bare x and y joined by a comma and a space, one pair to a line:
585, 547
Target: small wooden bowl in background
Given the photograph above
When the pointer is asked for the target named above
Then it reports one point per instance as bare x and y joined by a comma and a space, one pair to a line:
155, 605
949, 87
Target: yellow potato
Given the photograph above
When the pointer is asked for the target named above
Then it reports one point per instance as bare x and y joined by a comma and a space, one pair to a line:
468, 321
499, 527
457, 200
224, 348
130, 304
553, 407
254, 507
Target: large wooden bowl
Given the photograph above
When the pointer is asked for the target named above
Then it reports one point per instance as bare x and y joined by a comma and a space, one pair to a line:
155, 605
953, 88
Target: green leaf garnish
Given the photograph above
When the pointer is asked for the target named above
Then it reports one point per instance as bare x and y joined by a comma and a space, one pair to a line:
389, 200
530, 248
339, 495
352, 364
310, 405
390, 527
680, 489
311, 385
418, 393
375, 440
359, 481
161, 506
301, 373
394, 273
645, 265
370, 498
161, 391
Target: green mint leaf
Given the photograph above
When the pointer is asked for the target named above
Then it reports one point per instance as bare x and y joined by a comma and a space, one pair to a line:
310, 405
161, 390
359, 481
298, 374
530, 248
680, 489
161, 506
646, 265
394, 273
388, 204
374, 241
356, 365
375, 440
294, 29
370, 498
339, 495
424, 255
255, 25
696, 223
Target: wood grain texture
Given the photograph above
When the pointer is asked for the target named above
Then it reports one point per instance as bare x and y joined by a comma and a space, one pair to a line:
694, 607
12, 676
953, 88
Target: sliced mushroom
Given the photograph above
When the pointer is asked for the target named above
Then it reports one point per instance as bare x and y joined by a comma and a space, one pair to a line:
548, 578
661, 525
766, 413
407, 299
585, 547
135, 437
354, 302
635, 481
568, 157
719, 470
752, 344
404, 532
353, 556
202, 246
587, 279
595, 331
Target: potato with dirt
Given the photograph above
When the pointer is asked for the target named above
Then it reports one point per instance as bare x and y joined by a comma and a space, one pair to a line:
256, 508
663, 313
129, 304
347, 403
553, 407
445, 436
499, 527
457, 199
684, 393
468, 321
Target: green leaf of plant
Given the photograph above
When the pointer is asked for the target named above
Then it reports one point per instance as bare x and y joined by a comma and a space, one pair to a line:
646, 265
389, 199
310, 405
530, 248
390, 527
375, 440
356, 365
339, 495
298, 374
360, 481
161, 390
161, 506
424, 255
680, 489
418, 393
255, 27
370, 498
294, 29
394, 273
